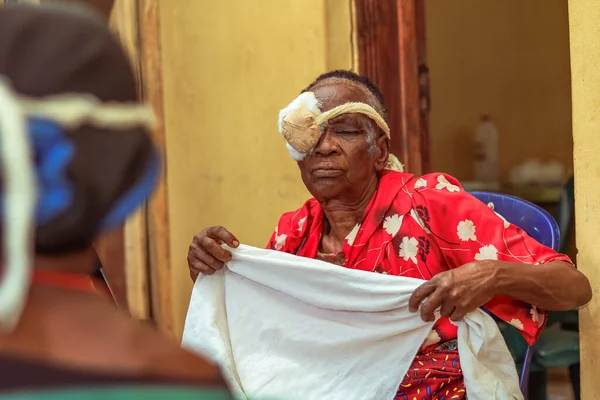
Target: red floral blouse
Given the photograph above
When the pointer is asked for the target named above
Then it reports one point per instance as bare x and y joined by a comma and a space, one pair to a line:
419, 227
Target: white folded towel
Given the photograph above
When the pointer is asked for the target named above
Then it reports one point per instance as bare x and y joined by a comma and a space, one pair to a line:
284, 327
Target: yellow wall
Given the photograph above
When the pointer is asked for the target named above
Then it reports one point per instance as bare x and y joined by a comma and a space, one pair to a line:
508, 58
228, 67
585, 65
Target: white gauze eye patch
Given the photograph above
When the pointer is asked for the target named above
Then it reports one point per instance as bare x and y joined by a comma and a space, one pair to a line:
300, 133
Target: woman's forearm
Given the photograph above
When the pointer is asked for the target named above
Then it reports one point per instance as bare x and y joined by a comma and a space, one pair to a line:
555, 286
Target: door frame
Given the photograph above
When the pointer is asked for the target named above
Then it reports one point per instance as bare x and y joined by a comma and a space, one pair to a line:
391, 50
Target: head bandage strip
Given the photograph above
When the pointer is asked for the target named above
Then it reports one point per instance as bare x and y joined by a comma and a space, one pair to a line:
20, 198
300, 124
73, 110
18, 226
349, 108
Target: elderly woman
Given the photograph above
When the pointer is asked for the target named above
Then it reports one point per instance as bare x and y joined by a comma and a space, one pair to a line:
367, 215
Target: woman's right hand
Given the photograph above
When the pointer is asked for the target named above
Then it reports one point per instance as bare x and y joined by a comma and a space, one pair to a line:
205, 255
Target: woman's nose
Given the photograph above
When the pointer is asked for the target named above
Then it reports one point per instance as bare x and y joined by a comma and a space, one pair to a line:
327, 144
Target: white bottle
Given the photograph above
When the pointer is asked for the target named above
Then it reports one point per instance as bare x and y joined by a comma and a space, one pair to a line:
486, 151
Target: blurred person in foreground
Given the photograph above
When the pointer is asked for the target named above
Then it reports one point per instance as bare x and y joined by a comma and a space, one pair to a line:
367, 214
76, 159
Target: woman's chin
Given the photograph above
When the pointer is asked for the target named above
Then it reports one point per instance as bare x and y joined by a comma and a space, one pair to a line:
327, 188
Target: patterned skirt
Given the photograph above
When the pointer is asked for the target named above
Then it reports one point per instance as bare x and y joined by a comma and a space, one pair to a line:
435, 375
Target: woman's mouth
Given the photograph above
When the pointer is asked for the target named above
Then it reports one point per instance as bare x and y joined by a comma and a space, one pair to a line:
327, 172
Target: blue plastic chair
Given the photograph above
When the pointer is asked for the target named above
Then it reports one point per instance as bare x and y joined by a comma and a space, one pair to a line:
538, 224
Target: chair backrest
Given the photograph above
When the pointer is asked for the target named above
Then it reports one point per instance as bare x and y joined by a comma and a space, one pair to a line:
534, 220
538, 224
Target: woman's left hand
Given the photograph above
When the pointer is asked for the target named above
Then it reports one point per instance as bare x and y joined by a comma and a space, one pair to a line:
456, 292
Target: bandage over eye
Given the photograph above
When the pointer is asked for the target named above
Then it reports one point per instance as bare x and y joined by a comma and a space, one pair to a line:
301, 124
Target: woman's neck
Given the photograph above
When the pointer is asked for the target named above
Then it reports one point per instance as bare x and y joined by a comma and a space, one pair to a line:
81, 262
342, 215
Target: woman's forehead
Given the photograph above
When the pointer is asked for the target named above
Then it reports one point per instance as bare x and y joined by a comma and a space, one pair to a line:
334, 92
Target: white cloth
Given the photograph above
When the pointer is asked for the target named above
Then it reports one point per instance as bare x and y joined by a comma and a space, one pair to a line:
287, 327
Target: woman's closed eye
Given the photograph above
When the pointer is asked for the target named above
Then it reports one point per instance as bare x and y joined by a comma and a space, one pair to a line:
345, 131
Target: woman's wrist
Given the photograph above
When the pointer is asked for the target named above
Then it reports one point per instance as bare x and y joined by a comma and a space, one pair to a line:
503, 276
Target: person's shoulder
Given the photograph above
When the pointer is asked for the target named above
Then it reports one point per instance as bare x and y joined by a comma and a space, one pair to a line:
94, 334
436, 190
434, 182
164, 357
394, 179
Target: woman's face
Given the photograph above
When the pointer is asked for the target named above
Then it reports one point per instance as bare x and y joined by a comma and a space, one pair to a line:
345, 162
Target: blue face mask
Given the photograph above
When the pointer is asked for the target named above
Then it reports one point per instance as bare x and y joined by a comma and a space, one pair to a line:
53, 151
